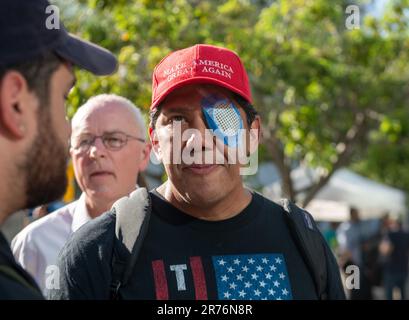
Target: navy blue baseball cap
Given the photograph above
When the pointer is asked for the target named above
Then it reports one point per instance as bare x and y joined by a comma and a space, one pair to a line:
27, 30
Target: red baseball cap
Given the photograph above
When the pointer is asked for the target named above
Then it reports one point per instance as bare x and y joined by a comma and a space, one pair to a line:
199, 64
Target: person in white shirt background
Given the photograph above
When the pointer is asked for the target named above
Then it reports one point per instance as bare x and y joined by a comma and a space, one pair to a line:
108, 150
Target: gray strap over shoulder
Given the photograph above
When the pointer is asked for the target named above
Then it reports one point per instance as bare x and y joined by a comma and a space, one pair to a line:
130, 214
132, 220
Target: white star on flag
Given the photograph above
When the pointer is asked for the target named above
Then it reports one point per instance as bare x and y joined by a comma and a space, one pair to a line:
254, 276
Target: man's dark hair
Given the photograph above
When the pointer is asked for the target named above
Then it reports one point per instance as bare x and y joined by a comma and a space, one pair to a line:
37, 73
248, 108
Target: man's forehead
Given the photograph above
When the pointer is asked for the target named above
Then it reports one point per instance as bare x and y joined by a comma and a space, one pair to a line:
103, 110
99, 122
102, 117
195, 95
85, 131
87, 127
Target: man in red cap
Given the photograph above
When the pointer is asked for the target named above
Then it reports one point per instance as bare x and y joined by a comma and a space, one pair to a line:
201, 234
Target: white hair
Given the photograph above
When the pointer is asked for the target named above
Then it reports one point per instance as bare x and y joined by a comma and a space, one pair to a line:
104, 99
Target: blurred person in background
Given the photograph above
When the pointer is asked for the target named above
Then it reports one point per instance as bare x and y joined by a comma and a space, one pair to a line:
330, 235
41, 211
394, 252
108, 150
351, 236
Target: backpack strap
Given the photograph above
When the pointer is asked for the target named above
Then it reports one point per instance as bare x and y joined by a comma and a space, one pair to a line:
309, 242
132, 219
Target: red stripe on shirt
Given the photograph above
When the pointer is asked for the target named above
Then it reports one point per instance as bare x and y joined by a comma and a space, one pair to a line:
161, 284
198, 278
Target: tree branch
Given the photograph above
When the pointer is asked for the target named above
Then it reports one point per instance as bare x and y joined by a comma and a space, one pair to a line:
274, 146
357, 132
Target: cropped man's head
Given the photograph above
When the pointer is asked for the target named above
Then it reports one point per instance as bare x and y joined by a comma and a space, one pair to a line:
36, 75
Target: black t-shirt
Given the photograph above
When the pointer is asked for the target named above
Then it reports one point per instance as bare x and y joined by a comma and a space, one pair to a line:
249, 256
10, 287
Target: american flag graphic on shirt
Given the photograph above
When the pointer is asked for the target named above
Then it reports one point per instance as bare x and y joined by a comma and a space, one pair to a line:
241, 277
252, 277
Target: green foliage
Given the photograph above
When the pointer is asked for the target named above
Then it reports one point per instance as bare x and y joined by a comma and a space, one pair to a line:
310, 75
387, 157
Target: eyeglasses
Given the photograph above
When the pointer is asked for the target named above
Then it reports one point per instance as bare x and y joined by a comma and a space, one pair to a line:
112, 141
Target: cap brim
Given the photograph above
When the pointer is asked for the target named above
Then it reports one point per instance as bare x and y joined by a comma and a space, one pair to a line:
87, 55
196, 80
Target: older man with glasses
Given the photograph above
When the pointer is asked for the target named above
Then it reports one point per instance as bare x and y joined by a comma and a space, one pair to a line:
108, 150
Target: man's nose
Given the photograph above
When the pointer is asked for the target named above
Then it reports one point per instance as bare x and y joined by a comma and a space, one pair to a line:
206, 138
203, 145
97, 148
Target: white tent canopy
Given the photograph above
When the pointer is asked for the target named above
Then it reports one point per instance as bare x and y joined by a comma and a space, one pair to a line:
326, 210
346, 189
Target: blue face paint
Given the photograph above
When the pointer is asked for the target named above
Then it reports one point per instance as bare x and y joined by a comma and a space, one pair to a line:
223, 117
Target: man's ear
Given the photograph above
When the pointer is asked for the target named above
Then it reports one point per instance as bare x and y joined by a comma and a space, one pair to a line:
13, 97
146, 152
255, 134
72, 152
155, 143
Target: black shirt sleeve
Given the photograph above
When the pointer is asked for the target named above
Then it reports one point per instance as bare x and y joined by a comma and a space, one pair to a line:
15, 282
84, 262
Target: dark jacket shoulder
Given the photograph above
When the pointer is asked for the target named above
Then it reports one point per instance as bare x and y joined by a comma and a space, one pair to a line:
84, 262
96, 233
15, 283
